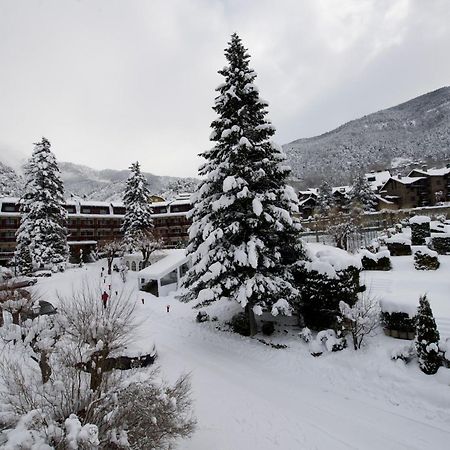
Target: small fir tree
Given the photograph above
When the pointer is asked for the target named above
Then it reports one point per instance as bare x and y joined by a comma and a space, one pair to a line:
23, 261
244, 236
427, 338
138, 211
43, 217
362, 194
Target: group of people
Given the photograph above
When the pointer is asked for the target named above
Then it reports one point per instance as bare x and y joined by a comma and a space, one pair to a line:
105, 296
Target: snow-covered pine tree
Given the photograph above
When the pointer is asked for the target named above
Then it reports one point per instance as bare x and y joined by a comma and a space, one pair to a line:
326, 200
138, 211
427, 338
244, 235
43, 218
362, 194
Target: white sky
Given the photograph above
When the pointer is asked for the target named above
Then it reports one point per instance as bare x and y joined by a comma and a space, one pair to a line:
110, 82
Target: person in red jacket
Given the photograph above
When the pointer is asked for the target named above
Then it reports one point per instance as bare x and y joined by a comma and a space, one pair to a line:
105, 297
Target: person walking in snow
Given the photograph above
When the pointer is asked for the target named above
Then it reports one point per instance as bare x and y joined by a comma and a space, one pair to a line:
168, 308
105, 297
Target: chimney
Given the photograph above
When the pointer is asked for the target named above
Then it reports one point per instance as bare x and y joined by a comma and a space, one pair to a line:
447, 165
399, 176
424, 168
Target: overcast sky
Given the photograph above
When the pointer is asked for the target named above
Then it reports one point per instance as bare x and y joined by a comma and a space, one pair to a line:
109, 82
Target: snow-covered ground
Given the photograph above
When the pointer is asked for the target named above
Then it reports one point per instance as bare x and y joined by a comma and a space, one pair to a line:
251, 396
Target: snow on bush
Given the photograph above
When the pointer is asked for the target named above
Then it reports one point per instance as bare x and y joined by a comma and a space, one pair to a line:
331, 276
425, 259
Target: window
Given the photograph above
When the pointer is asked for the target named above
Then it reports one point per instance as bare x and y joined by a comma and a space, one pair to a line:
10, 207
170, 278
133, 266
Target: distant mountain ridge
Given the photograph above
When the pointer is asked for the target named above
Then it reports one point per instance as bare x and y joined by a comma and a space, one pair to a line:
417, 131
107, 184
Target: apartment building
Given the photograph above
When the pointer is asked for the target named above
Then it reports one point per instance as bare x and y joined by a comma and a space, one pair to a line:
90, 223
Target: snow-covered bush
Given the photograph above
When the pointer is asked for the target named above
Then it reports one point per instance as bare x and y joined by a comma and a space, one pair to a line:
399, 245
331, 276
398, 317
268, 328
441, 243
202, 316
376, 261
360, 320
329, 341
71, 367
427, 338
151, 415
405, 353
37, 430
399, 324
426, 259
444, 349
241, 324
420, 229
306, 334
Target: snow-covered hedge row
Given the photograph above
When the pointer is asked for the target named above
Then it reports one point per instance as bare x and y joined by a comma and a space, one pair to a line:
441, 243
376, 261
399, 245
425, 259
420, 229
398, 318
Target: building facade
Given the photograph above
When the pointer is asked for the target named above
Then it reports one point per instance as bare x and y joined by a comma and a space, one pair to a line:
90, 223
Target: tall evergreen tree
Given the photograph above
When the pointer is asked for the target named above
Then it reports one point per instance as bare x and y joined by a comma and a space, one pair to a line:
427, 338
244, 235
138, 211
326, 200
43, 221
362, 194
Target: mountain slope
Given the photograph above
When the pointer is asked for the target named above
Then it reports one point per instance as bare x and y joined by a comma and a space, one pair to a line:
96, 184
417, 130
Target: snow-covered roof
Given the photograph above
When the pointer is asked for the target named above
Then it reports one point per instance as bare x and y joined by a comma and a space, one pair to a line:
81, 242
341, 189
385, 199
173, 259
9, 199
432, 172
405, 180
94, 203
377, 179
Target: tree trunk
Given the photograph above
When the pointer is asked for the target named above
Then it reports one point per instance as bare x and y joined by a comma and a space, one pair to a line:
110, 261
16, 317
2, 321
46, 370
251, 319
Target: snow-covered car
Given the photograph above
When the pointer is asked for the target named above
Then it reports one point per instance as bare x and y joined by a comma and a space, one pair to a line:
20, 282
43, 273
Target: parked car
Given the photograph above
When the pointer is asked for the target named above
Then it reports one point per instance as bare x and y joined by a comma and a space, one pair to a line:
18, 282
43, 273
